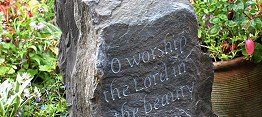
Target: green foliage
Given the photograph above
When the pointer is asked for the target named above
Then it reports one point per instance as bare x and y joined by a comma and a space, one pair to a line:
225, 25
28, 43
11, 97
29, 39
258, 52
52, 102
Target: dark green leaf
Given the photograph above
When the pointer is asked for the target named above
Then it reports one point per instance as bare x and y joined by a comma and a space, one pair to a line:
215, 20
37, 59
239, 6
257, 55
258, 23
231, 24
252, 24
214, 31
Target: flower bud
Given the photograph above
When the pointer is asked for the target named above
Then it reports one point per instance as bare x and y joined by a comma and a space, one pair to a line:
249, 7
250, 46
7, 39
230, 15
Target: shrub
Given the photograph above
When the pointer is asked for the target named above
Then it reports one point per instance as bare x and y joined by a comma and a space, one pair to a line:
230, 28
28, 39
28, 43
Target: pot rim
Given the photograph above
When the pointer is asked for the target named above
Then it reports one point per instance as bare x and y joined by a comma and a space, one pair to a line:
229, 63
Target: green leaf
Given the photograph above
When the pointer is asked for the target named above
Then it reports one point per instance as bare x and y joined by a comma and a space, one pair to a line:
199, 33
258, 23
2, 110
257, 55
54, 50
6, 45
239, 6
11, 71
2, 60
17, 102
17, 86
231, 24
250, 3
37, 59
244, 22
244, 52
40, 47
223, 17
214, 31
32, 72
33, 47
45, 68
205, 11
252, 24
215, 20
3, 70
25, 66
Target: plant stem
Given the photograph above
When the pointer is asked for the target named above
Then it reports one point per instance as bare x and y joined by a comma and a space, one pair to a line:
26, 101
247, 16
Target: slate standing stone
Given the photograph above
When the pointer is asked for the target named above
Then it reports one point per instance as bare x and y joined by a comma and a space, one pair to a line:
130, 58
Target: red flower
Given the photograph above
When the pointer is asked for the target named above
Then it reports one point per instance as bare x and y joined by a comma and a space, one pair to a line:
8, 1
233, 47
250, 46
3, 8
30, 14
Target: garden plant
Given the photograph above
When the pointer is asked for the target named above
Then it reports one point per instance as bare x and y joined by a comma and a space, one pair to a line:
230, 28
29, 78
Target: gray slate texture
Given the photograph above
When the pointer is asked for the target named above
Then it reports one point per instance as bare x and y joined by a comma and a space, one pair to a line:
130, 58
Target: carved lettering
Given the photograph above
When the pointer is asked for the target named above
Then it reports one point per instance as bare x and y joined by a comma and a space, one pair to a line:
163, 74
180, 67
147, 106
125, 90
136, 86
182, 43
151, 81
114, 90
147, 82
156, 105
105, 96
124, 112
146, 57
153, 53
115, 70
168, 47
134, 61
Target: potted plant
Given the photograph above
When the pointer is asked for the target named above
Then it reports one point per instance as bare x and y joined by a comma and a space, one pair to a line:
230, 31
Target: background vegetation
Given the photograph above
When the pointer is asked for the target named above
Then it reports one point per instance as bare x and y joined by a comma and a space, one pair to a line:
230, 28
30, 81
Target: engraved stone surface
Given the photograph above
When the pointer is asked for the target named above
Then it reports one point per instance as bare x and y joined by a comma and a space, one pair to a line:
130, 58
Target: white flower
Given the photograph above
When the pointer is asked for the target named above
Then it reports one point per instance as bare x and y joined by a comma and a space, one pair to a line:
25, 76
40, 26
37, 94
32, 24
26, 93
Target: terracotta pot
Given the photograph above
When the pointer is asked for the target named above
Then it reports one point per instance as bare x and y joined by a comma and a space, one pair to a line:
237, 88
